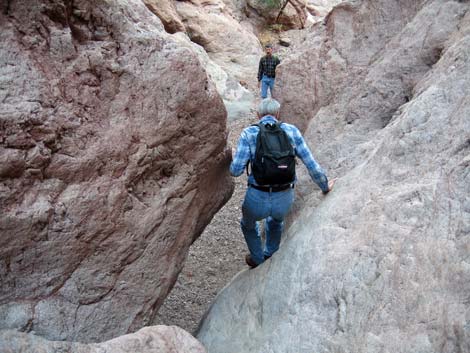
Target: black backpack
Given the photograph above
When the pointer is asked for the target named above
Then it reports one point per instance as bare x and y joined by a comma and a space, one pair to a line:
274, 162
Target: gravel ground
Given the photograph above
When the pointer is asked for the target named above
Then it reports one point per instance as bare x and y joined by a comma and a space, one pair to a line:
217, 256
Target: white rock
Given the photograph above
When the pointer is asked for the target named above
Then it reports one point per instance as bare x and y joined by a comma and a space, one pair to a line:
154, 339
381, 263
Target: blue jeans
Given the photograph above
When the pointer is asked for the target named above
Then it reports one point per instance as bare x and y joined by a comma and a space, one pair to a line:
265, 83
259, 205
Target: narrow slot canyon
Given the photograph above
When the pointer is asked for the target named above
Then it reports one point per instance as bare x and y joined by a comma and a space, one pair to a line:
119, 219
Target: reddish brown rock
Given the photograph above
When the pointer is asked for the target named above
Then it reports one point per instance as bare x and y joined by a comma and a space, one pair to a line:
112, 150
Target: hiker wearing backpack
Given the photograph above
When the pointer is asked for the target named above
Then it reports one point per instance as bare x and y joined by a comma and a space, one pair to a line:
267, 71
270, 147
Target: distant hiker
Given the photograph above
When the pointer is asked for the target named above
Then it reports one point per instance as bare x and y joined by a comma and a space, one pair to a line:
271, 147
267, 71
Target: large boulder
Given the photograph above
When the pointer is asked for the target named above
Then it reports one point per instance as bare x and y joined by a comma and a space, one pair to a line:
154, 339
229, 44
381, 263
112, 161
238, 100
223, 41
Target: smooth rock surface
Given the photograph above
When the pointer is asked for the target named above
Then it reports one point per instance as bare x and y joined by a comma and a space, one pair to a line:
154, 339
113, 159
334, 58
381, 263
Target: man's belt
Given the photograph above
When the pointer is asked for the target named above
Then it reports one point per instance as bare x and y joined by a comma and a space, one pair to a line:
272, 188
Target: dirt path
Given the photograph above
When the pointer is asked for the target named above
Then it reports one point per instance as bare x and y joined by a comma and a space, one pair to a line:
213, 259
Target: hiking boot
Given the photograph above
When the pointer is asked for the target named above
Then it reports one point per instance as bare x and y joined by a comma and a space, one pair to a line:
249, 261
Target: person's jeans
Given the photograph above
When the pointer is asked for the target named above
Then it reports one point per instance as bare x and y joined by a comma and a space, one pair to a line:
272, 206
265, 83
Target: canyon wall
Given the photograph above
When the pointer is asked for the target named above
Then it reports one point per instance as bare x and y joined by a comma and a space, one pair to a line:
381, 263
112, 161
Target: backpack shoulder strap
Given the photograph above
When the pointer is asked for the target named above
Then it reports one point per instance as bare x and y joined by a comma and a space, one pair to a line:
260, 126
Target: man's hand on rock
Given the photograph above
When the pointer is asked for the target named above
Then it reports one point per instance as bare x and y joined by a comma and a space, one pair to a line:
331, 183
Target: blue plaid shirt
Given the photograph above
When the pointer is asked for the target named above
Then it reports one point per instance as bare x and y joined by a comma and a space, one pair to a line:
247, 146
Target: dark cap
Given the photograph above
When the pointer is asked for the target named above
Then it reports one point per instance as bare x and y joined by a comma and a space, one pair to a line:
268, 46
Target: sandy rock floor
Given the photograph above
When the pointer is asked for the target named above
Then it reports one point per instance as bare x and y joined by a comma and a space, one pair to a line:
213, 259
